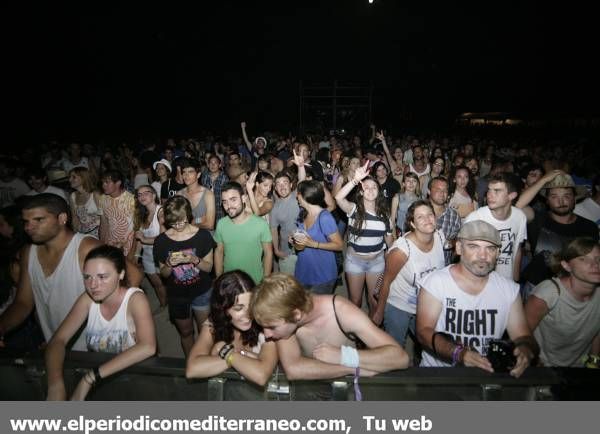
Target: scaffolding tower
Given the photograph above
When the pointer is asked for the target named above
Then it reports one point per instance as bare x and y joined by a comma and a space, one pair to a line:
335, 105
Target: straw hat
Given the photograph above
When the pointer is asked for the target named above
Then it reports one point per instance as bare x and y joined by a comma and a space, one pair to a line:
565, 181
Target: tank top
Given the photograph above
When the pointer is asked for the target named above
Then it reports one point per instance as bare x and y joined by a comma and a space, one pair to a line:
111, 336
425, 171
150, 232
55, 295
404, 202
405, 287
88, 215
199, 210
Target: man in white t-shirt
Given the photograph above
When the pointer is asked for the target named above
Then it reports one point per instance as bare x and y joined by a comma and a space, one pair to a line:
38, 181
462, 307
11, 187
509, 220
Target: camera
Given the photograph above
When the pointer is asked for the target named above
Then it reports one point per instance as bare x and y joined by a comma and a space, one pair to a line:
500, 354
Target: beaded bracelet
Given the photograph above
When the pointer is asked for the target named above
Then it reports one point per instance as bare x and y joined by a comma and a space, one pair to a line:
225, 349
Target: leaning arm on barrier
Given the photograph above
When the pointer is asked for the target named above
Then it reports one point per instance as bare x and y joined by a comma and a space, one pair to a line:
204, 360
298, 367
144, 347
526, 347
429, 309
56, 349
383, 353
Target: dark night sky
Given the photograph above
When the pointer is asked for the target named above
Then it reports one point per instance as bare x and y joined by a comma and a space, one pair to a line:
167, 70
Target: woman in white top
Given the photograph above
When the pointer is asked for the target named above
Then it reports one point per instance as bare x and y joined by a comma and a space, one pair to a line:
230, 338
410, 259
148, 223
84, 202
119, 321
462, 192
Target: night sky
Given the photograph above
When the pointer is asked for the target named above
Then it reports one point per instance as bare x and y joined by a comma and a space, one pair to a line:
167, 71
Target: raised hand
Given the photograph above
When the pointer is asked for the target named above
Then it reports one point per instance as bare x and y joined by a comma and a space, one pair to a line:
251, 182
298, 159
243, 125
380, 136
361, 172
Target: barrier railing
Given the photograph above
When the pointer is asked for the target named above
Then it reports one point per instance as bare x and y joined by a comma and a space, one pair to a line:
22, 377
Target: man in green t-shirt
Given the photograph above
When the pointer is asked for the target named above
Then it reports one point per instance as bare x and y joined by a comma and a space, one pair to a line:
243, 239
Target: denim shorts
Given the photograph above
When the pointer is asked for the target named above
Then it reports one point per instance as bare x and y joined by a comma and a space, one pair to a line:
356, 265
202, 302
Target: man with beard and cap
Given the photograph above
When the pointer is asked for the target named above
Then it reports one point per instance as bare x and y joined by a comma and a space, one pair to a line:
462, 307
242, 238
550, 231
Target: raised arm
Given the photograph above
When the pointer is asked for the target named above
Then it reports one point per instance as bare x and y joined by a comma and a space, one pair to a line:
360, 174
299, 162
245, 136
373, 131
56, 349
145, 346
388, 156
529, 193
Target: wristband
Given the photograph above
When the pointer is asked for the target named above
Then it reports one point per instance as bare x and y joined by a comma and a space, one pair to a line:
354, 181
225, 349
229, 358
96, 372
349, 357
456, 354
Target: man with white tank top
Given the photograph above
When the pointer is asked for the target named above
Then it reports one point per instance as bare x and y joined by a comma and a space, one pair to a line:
462, 307
51, 267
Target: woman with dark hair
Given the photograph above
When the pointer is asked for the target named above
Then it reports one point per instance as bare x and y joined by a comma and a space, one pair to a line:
118, 322
184, 253
394, 159
462, 192
388, 186
259, 188
412, 257
437, 169
370, 233
148, 223
230, 338
316, 239
402, 200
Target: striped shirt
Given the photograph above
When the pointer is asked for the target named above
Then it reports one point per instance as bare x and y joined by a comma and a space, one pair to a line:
370, 238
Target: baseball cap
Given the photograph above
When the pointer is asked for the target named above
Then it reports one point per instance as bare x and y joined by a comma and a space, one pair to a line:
479, 230
163, 162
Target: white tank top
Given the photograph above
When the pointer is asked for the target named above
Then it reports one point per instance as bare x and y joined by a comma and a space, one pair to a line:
404, 288
153, 230
55, 295
425, 171
473, 319
114, 336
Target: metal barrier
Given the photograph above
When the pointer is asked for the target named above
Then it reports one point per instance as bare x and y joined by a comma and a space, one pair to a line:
22, 377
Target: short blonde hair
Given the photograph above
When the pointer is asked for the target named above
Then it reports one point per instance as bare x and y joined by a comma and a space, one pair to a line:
277, 296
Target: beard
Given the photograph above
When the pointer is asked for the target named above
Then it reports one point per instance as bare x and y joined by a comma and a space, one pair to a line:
563, 211
479, 268
235, 213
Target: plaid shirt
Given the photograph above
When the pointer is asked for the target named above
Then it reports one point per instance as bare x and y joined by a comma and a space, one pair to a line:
449, 223
215, 186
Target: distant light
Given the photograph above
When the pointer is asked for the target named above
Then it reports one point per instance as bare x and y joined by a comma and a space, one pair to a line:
370, 2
